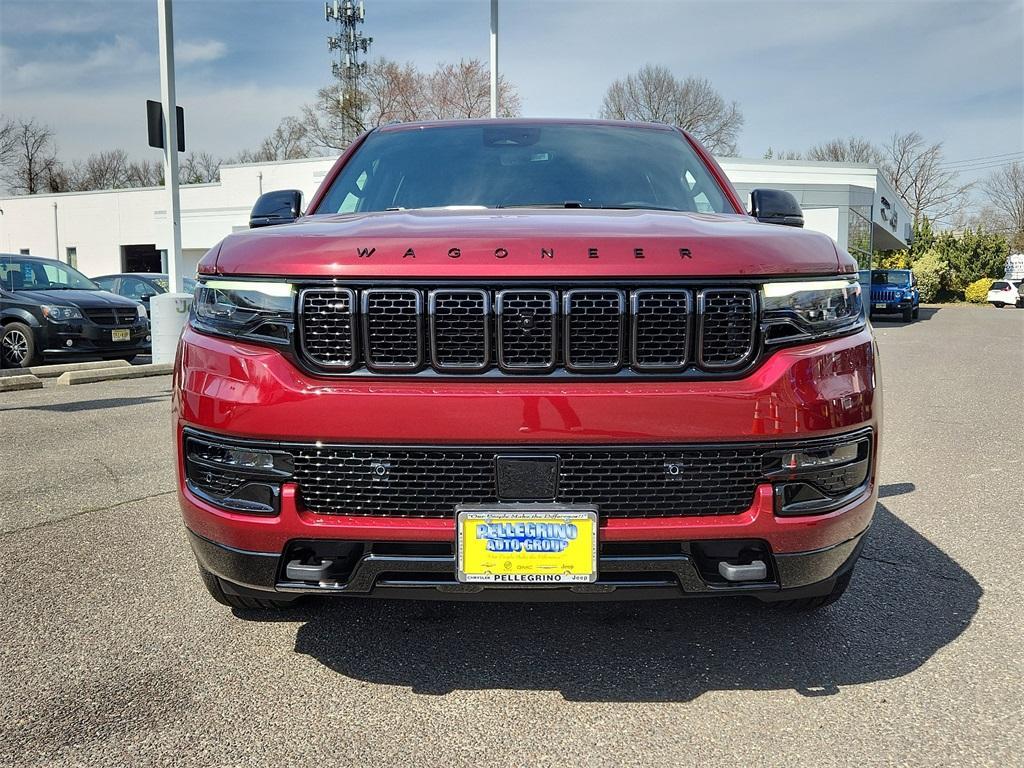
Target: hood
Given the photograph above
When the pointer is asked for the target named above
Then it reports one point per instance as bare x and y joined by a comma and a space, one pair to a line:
80, 299
527, 244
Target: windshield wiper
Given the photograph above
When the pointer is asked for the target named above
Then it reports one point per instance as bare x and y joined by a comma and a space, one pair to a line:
591, 206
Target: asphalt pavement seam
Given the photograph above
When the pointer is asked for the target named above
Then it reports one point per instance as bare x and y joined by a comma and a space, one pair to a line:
88, 511
909, 567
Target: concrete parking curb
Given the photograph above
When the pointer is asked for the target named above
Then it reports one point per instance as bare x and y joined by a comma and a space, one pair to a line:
47, 371
21, 381
128, 372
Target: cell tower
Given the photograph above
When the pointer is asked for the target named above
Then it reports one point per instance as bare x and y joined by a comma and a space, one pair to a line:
350, 45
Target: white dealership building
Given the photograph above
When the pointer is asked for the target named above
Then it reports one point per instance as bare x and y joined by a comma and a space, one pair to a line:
125, 230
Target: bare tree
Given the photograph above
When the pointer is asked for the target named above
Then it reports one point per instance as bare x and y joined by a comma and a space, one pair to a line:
654, 94
391, 92
1005, 192
144, 173
199, 168
789, 154
8, 142
289, 141
916, 170
101, 170
32, 166
851, 150
463, 90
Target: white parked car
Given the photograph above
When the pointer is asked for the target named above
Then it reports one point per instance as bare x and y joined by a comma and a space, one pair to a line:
1004, 292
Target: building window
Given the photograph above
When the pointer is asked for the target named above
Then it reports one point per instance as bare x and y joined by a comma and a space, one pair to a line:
24, 252
858, 235
73, 257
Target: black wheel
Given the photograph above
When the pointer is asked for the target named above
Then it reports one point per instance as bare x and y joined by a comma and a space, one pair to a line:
18, 346
814, 603
908, 315
998, 304
216, 589
917, 311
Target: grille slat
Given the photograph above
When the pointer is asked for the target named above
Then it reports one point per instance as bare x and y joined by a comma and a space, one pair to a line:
594, 329
393, 328
623, 483
661, 329
728, 323
112, 316
527, 330
471, 330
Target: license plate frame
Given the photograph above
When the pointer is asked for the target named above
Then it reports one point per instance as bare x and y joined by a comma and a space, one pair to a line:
880, 305
476, 563
121, 334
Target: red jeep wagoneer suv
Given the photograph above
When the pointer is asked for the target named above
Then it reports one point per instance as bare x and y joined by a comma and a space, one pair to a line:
527, 360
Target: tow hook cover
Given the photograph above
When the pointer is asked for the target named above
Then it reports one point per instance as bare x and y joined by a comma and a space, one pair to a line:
754, 571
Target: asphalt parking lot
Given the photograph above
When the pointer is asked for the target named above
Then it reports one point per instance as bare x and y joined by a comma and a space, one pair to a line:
113, 654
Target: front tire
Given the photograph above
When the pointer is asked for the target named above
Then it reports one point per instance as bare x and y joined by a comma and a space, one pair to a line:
18, 346
215, 587
998, 304
908, 315
917, 311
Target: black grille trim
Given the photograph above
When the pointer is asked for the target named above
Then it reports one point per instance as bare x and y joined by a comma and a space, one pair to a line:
442, 306
342, 354
522, 348
593, 330
703, 330
383, 331
717, 337
648, 355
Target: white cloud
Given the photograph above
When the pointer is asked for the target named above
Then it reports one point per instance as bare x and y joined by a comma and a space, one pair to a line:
199, 51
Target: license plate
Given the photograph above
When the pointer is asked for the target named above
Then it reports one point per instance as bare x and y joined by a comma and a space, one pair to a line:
526, 544
879, 306
121, 334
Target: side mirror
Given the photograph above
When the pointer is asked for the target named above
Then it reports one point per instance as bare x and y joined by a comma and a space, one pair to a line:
776, 206
279, 207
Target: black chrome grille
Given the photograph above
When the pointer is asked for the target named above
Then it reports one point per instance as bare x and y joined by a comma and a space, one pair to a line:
623, 483
598, 330
460, 329
328, 327
662, 319
728, 326
527, 339
112, 316
593, 329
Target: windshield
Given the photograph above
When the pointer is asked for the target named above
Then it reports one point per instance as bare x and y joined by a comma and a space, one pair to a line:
496, 166
890, 278
41, 275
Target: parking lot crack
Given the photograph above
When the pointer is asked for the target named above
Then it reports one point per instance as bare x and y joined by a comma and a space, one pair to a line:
907, 566
81, 513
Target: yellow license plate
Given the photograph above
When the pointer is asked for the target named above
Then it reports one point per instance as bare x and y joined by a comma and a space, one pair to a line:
526, 544
121, 334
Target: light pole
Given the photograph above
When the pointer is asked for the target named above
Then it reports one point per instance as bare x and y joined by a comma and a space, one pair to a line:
166, 26
494, 58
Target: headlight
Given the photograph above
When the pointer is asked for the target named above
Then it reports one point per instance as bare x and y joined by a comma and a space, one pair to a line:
245, 308
143, 312
60, 314
812, 308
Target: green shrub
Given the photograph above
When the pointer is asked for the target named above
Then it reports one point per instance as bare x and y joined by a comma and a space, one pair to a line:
931, 272
977, 292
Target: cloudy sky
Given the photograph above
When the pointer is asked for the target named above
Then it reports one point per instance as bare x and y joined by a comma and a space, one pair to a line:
802, 72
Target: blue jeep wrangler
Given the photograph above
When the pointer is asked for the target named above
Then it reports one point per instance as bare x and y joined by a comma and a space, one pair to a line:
893, 291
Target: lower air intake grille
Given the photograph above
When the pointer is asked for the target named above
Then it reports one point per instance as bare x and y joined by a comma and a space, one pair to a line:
623, 483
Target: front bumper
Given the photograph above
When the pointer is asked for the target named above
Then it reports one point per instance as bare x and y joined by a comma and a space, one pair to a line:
431, 575
83, 338
246, 391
